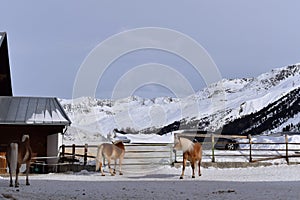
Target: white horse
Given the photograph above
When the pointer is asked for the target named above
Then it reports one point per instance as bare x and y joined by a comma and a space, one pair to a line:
17, 154
191, 152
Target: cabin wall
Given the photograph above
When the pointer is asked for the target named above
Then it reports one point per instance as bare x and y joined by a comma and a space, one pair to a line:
53, 143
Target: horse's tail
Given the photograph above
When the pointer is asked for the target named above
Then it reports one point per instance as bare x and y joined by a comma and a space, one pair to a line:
99, 157
13, 157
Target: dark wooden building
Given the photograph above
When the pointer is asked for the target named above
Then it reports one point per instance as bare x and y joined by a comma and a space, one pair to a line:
5, 80
39, 117
42, 118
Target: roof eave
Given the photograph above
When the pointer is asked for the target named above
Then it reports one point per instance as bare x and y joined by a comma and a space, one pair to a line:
36, 124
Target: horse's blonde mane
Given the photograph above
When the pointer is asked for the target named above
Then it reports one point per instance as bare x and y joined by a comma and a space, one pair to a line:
186, 144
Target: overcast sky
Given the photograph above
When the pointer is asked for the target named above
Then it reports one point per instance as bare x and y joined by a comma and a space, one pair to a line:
50, 39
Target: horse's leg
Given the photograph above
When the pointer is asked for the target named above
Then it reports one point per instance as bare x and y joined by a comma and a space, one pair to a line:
183, 167
193, 164
199, 170
17, 175
109, 167
27, 172
101, 168
120, 166
115, 166
10, 176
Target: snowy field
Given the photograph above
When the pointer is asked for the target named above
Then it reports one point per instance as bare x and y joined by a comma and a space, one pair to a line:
162, 182
276, 182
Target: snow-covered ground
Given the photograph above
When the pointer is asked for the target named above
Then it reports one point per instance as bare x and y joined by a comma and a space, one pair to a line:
162, 182
275, 182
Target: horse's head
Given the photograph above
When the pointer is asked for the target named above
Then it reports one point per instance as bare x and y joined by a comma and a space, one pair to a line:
183, 144
119, 144
25, 137
177, 144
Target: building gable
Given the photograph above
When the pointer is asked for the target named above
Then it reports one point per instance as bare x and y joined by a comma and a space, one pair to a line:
5, 78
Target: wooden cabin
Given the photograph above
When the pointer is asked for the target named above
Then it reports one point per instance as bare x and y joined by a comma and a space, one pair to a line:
42, 118
39, 117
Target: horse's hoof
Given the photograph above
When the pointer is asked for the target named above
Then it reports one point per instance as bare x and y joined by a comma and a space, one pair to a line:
11, 185
27, 183
181, 177
16, 186
200, 174
193, 176
102, 174
113, 174
121, 173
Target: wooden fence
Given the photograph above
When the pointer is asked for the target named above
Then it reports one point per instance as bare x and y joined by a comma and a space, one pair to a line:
249, 151
135, 154
152, 154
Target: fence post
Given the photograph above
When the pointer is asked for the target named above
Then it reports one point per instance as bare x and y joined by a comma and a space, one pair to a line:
63, 150
287, 149
85, 154
250, 147
73, 152
175, 152
213, 148
171, 154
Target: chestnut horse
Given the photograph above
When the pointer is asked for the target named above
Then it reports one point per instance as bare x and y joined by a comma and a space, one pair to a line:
17, 154
110, 152
191, 152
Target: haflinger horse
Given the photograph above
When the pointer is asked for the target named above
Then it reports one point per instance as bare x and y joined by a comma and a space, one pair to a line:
110, 152
18, 153
191, 152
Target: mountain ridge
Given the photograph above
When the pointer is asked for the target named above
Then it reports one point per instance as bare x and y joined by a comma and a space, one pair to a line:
224, 105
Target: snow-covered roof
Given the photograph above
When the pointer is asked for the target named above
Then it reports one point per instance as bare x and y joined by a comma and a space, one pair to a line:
32, 110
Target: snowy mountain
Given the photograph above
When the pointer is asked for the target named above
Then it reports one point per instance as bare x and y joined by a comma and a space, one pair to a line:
267, 103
